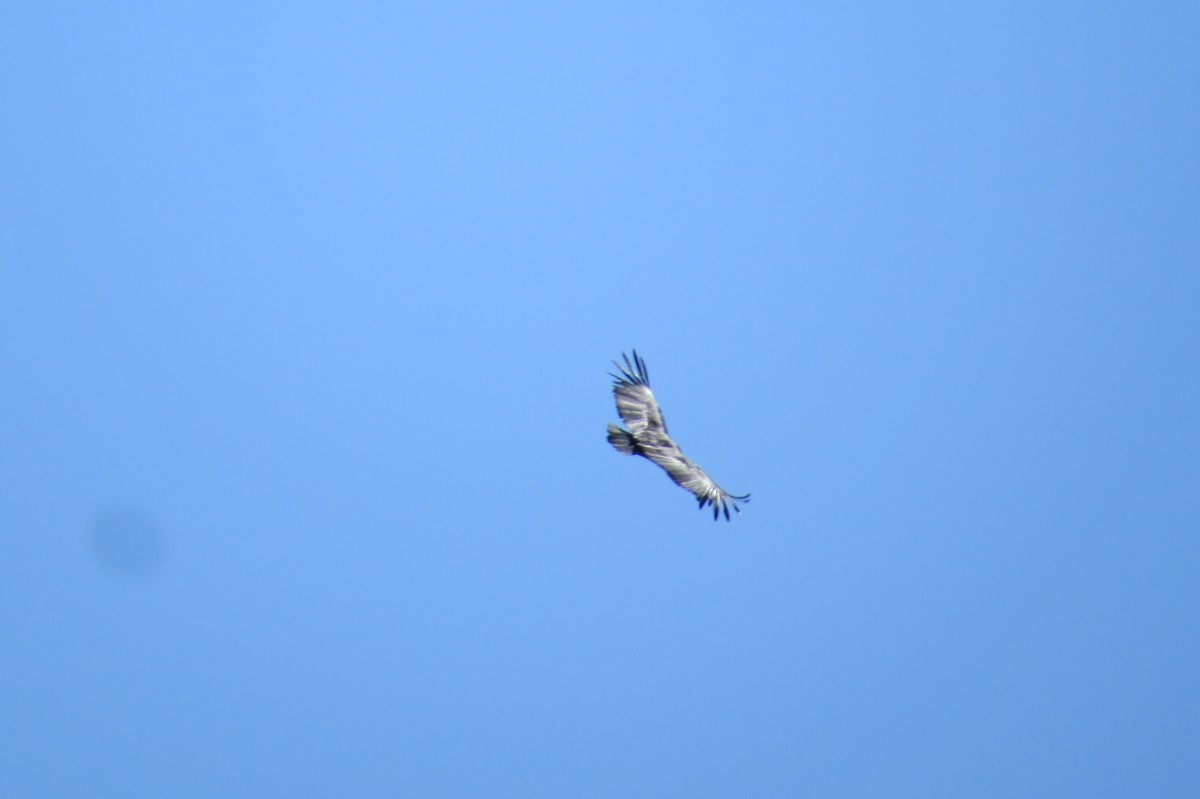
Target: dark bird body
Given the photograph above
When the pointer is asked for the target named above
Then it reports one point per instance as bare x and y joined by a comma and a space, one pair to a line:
647, 436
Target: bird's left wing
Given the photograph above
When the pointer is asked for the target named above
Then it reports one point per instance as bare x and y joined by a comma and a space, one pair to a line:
635, 401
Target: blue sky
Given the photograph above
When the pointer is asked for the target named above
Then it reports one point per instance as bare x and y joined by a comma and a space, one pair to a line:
305, 317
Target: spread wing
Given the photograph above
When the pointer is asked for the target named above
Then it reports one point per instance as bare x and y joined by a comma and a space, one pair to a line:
647, 436
635, 402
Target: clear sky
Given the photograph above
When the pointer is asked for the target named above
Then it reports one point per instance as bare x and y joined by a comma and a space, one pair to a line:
305, 317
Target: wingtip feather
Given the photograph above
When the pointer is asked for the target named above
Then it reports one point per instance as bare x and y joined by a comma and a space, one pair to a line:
643, 372
633, 371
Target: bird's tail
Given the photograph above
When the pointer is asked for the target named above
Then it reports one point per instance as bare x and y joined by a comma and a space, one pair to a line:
622, 440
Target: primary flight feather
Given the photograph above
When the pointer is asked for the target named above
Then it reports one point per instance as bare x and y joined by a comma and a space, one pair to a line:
647, 436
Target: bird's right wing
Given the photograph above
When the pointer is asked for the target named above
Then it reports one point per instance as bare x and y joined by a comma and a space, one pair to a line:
690, 477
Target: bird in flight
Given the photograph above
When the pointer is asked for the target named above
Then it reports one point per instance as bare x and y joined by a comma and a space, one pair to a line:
647, 436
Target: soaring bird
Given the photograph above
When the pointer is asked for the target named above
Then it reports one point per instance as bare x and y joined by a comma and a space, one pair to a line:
647, 436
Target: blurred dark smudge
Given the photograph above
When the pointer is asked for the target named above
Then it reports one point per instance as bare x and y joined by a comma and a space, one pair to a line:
127, 542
